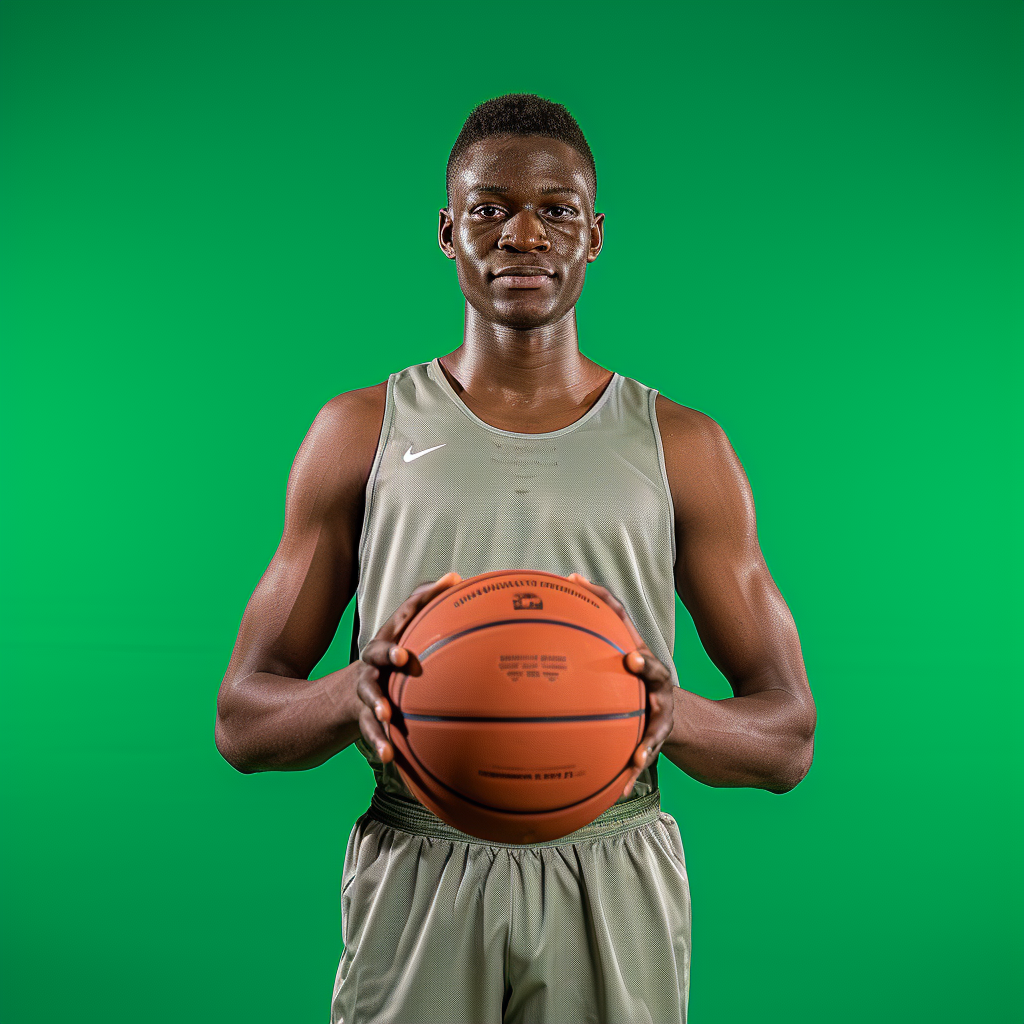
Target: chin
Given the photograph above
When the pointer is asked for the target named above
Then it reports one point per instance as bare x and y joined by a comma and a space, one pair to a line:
525, 314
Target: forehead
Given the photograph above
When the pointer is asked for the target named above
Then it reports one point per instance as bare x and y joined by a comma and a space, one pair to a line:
521, 162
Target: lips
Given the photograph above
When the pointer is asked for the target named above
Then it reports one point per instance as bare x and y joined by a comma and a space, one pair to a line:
529, 270
527, 276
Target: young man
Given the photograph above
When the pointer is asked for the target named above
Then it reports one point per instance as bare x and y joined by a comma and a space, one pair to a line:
516, 451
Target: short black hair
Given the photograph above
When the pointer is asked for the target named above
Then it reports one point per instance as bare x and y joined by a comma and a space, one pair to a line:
521, 113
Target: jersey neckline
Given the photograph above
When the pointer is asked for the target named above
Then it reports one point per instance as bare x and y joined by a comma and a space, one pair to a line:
437, 374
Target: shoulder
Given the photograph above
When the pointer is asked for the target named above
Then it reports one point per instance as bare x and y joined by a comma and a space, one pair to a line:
702, 467
336, 455
688, 431
353, 415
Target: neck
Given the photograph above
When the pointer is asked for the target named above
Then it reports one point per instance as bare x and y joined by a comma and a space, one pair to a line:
519, 367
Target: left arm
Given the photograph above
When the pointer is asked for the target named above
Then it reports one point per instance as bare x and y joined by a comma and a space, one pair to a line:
764, 735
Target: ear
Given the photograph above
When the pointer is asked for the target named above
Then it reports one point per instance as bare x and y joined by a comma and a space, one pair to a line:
596, 237
445, 229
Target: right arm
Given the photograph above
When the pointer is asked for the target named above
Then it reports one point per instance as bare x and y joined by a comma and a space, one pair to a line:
270, 715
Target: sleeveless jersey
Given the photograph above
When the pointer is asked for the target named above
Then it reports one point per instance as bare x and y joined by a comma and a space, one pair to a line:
591, 498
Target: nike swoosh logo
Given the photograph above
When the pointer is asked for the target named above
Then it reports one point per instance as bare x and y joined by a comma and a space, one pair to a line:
408, 456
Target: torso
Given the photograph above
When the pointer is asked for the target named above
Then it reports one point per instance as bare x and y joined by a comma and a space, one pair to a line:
677, 424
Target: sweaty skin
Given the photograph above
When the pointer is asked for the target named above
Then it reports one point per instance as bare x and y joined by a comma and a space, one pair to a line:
519, 202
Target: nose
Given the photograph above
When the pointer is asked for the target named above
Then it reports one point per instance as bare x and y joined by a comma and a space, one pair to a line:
524, 233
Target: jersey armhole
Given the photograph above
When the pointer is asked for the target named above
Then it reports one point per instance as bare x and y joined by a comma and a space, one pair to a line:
371, 490
651, 399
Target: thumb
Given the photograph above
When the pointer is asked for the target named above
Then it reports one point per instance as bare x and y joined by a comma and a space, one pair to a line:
635, 661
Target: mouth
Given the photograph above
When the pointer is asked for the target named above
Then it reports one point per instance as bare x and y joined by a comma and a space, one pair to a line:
523, 277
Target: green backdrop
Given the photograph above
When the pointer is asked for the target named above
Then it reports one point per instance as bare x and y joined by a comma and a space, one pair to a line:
812, 235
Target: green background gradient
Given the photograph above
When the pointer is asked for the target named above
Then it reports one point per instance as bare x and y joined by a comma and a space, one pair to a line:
218, 215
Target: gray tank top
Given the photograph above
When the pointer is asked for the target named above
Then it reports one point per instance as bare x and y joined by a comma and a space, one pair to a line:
448, 491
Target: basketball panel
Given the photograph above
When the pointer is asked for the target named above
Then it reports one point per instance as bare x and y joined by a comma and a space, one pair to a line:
524, 767
534, 669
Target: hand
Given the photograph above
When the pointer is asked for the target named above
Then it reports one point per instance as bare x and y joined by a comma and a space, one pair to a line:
657, 679
381, 655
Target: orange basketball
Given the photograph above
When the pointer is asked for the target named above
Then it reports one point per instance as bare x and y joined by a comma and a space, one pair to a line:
523, 723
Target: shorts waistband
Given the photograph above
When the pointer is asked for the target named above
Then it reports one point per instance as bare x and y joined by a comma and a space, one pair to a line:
415, 818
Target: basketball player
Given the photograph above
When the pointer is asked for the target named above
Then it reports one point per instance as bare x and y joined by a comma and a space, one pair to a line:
516, 451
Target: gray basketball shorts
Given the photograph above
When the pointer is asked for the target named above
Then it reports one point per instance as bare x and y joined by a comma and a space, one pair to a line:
442, 928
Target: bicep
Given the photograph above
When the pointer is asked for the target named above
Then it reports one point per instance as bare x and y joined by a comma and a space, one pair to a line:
722, 578
293, 614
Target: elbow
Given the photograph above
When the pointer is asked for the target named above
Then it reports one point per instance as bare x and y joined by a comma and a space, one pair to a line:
796, 769
799, 762
229, 749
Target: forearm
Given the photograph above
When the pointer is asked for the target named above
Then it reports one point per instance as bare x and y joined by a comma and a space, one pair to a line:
764, 740
273, 723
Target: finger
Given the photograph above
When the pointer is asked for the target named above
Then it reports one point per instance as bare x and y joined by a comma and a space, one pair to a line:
373, 732
660, 718
643, 756
654, 673
628, 788
369, 692
602, 592
637, 763
382, 651
388, 657
411, 606
385, 655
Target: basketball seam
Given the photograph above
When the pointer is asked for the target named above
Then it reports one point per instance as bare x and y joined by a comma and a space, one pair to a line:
438, 644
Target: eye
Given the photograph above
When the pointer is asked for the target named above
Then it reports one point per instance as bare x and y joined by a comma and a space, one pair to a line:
561, 212
487, 211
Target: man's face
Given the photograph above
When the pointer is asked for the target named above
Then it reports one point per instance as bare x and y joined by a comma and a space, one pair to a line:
521, 202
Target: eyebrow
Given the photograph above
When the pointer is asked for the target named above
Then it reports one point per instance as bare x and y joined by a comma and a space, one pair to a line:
501, 189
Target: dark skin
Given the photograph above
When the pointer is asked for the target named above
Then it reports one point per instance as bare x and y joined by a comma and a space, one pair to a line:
523, 203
